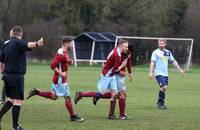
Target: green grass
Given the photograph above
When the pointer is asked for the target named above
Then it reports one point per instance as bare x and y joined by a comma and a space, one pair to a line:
182, 99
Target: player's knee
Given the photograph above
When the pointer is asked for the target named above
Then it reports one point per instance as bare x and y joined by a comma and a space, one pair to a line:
68, 98
17, 102
163, 89
122, 95
53, 96
10, 100
114, 96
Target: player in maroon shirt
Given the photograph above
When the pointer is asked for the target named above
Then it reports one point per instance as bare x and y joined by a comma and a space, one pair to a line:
120, 77
107, 79
60, 87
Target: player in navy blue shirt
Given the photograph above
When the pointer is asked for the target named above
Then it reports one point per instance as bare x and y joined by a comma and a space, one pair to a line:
13, 58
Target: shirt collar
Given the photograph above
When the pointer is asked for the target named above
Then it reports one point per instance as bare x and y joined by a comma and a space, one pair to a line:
119, 51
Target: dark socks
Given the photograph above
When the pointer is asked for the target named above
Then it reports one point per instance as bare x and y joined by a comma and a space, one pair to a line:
98, 95
69, 106
45, 94
15, 115
112, 108
5, 108
88, 94
161, 97
122, 106
3, 97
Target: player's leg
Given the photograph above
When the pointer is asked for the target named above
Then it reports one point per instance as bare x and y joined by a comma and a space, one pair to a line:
163, 82
9, 103
122, 96
80, 95
114, 92
3, 96
16, 113
5, 108
18, 96
106, 95
68, 104
122, 105
47, 94
73, 115
102, 87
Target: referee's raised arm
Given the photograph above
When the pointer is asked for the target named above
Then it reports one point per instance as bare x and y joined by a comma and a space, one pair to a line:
38, 43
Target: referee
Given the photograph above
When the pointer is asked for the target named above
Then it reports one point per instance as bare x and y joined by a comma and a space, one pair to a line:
13, 56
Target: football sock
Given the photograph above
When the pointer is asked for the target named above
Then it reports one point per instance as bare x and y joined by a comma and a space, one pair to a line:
3, 96
112, 107
161, 97
88, 94
106, 95
15, 115
99, 95
68, 105
5, 108
122, 106
45, 94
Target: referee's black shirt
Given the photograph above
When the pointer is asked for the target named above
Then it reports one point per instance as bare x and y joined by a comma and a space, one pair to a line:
13, 55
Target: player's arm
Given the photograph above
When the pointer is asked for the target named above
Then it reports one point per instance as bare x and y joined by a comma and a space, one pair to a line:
116, 67
1, 67
70, 61
175, 63
57, 59
151, 70
124, 63
152, 65
129, 68
38, 43
63, 74
2, 61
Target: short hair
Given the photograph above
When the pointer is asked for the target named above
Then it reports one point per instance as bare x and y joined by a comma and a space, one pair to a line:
121, 41
66, 39
162, 40
17, 30
130, 47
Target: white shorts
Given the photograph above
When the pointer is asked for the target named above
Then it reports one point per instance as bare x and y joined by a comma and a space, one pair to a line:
120, 83
61, 90
106, 83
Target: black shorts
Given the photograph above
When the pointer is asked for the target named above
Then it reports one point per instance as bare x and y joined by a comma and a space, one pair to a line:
14, 84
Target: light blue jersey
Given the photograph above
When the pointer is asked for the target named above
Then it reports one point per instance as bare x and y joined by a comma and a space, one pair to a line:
161, 59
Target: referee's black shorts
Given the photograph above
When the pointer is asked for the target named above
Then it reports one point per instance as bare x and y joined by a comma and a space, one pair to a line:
14, 84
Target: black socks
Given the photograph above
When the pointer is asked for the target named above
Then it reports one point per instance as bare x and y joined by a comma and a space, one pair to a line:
15, 115
5, 108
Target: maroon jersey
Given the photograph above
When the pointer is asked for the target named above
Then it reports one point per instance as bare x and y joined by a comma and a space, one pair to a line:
128, 65
61, 61
112, 63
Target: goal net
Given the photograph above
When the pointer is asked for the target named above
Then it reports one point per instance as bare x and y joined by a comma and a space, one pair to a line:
181, 49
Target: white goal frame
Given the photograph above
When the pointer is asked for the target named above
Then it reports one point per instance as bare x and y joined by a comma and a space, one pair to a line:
156, 38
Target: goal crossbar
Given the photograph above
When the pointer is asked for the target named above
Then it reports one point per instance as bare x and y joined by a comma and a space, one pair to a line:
156, 38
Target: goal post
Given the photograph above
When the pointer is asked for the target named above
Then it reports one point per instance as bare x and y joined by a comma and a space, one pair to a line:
172, 43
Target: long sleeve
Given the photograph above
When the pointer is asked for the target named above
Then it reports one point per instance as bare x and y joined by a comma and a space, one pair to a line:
129, 65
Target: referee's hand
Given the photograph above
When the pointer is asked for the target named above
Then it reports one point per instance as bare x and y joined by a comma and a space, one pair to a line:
41, 41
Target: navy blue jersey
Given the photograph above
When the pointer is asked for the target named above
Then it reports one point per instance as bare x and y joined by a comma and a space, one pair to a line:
13, 55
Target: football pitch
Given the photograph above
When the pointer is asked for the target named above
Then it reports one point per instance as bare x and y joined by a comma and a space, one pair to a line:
182, 100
